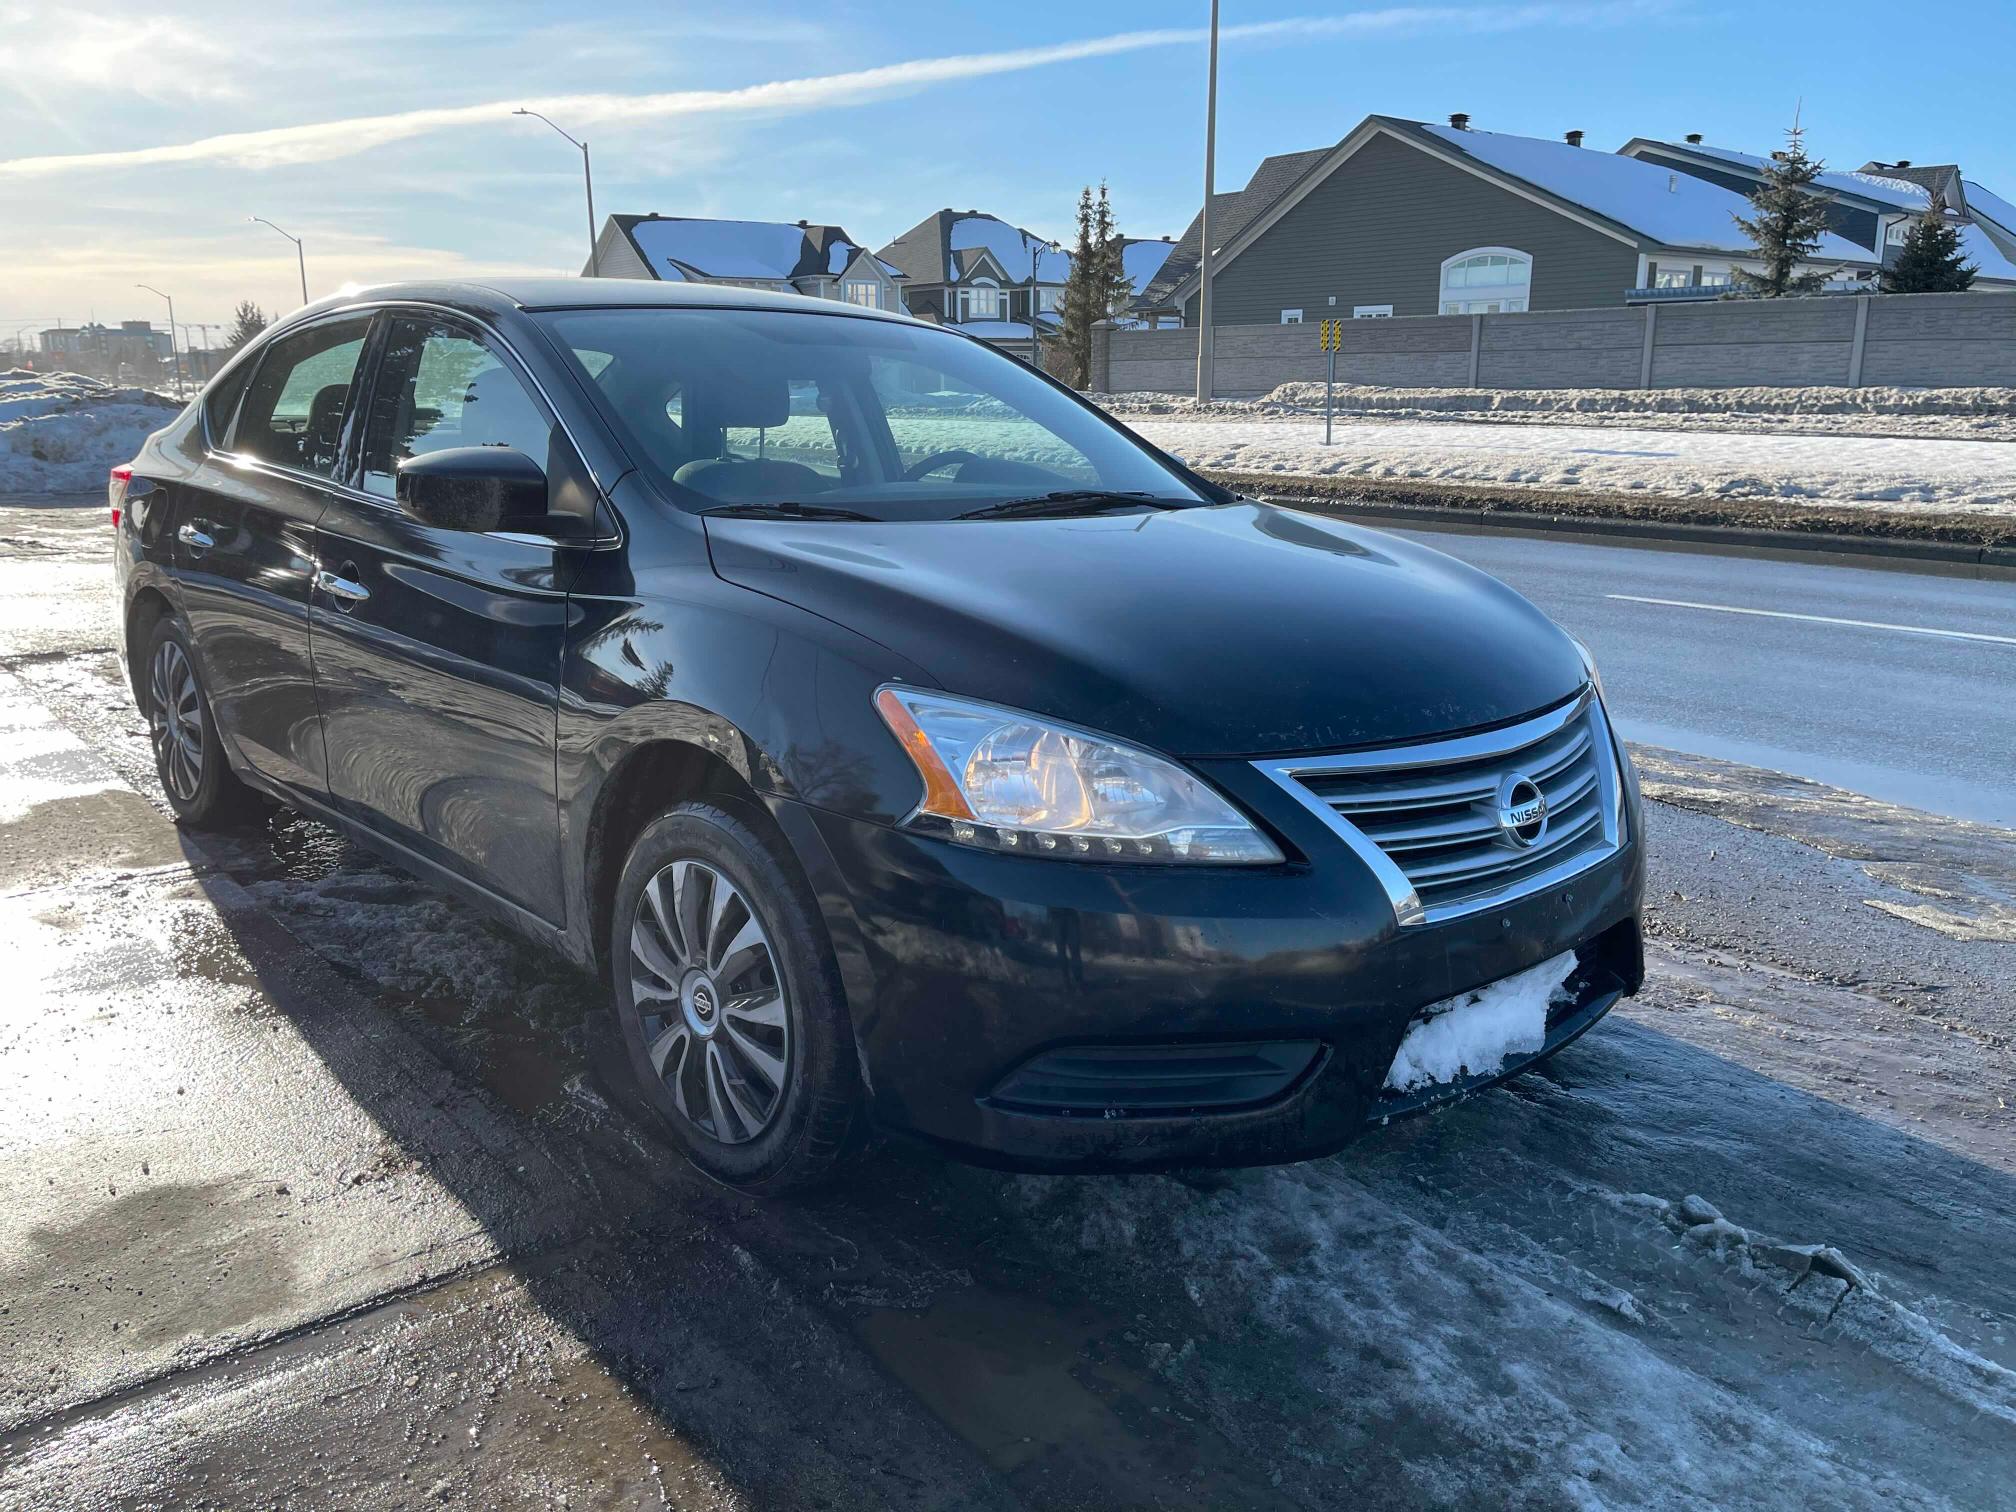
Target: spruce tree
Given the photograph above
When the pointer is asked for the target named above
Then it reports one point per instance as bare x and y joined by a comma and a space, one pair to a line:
1115, 292
1930, 260
247, 321
1081, 304
1790, 220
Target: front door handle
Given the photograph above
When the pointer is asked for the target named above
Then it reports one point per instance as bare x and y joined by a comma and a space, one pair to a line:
190, 535
343, 589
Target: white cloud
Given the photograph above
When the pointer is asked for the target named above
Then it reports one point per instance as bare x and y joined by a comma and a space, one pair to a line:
153, 57
326, 141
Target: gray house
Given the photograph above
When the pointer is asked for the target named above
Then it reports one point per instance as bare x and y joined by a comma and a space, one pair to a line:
975, 272
800, 257
1406, 218
1873, 206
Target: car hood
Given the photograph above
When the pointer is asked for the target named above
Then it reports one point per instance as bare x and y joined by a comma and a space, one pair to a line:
1237, 629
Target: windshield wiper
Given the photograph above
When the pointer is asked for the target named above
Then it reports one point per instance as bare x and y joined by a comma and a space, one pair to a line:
1071, 501
787, 510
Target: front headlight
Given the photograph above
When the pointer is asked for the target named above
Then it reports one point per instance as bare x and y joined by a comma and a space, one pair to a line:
1003, 780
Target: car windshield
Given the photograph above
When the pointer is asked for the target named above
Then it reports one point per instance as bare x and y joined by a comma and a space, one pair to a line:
813, 416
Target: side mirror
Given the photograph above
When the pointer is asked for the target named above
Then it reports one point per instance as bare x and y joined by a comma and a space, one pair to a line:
475, 488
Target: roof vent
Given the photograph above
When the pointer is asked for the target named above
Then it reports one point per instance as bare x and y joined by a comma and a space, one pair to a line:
1460, 120
1694, 139
1572, 138
1168, 238
804, 223
1902, 163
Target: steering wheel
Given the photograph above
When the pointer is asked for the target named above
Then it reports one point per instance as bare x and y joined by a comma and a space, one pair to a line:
928, 465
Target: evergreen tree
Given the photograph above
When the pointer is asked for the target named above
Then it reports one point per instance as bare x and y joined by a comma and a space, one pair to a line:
1930, 260
248, 321
1096, 289
1790, 220
1072, 344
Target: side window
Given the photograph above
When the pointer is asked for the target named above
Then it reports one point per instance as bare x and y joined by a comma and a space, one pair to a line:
294, 407
221, 403
438, 387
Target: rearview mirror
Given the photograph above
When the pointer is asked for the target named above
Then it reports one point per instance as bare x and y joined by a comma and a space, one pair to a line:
476, 488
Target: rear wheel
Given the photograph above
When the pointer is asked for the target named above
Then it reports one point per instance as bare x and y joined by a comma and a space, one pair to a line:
199, 783
729, 1003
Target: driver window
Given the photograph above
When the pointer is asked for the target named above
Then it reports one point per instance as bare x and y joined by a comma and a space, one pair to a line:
930, 412
440, 387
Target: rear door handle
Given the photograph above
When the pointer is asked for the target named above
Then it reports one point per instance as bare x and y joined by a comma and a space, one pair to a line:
342, 588
190, 535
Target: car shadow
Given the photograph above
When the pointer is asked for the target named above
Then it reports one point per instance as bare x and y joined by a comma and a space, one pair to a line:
932, 1334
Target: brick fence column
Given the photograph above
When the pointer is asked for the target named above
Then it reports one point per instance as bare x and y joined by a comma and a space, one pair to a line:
1100, 379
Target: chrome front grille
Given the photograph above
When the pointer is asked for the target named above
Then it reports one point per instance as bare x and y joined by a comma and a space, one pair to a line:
1438, 823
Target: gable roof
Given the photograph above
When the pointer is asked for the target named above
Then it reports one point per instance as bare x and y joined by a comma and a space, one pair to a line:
681, 248
1231, 213
944, 247
1620, 196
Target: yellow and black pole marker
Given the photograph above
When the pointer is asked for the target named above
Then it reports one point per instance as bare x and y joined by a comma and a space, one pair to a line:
1333, 343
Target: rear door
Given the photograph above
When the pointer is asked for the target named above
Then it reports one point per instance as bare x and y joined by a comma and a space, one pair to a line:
244, 548
437, 652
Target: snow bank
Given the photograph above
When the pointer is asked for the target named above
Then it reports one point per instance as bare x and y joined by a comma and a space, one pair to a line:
1472, 1033
1897, 475
1875, 400
61, 432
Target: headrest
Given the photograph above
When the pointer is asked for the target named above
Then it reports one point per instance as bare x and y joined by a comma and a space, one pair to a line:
753, 400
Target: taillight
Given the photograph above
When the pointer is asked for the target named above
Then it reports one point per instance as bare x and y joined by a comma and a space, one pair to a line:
122, 479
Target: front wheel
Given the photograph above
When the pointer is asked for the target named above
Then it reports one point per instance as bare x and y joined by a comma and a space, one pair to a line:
729, 1003
195, 776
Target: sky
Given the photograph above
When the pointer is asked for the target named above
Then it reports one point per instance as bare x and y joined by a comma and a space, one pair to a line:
136, 140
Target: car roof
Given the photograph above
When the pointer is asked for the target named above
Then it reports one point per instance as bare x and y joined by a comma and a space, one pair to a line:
499, 294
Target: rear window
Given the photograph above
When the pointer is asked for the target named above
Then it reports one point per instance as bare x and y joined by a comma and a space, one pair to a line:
295, 406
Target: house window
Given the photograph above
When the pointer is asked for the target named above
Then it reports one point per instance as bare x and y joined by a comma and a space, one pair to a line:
980, 302
863, 292
1049, 301
1674, 278
1486, 281
1371, 312
1291, 317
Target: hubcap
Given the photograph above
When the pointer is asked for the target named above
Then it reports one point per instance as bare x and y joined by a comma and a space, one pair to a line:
176, 721
710, 999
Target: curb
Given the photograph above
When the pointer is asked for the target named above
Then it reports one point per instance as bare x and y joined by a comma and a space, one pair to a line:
1953, 558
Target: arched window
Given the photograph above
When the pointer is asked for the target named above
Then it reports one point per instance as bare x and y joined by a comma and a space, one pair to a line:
982, 300
1486, 281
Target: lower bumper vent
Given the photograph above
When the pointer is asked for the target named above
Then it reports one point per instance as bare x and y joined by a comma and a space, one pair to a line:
1107, 1081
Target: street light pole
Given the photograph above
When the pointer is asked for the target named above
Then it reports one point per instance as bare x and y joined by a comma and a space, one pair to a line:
300, 256
588, 181
1204, 219
174, 352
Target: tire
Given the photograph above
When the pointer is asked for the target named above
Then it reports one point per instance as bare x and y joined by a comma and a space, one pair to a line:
196, 777
740, 1040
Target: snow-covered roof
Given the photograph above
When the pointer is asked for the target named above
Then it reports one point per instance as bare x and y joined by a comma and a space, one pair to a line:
1142, 260
1014, 330
1989, 260
1011, 247
1981, 201
1899, 194
1671, 208
721, 248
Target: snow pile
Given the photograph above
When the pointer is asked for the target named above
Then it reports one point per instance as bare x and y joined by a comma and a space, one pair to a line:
1875, 400
62, 432
1472, 1033
1861, 472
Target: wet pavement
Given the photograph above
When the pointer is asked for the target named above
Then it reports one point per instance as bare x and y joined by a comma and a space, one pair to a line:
316, 1189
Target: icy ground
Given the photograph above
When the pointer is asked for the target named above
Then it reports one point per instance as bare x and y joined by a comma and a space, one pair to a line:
1889, 474
61, 432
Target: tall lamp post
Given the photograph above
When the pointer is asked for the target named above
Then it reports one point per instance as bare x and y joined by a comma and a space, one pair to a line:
587, 180
1204, 219
174, 352
1036, 248
300, 256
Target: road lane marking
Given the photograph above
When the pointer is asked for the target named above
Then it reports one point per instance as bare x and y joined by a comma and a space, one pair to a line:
1819, 619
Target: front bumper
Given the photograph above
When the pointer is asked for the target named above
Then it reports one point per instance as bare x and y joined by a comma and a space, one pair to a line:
963, 966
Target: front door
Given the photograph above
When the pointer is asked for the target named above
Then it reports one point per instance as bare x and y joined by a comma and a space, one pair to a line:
245, 547
437, 652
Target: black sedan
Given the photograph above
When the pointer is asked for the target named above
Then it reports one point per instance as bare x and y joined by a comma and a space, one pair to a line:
902, 740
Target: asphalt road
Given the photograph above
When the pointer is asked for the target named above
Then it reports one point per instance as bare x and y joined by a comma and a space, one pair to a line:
316, 1189
1900, 704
